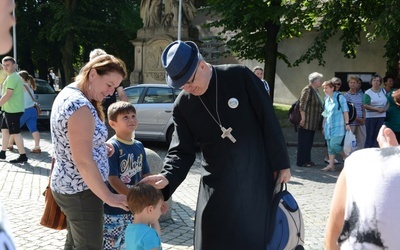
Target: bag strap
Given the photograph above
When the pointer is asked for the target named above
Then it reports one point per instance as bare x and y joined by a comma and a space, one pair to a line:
340, 106
51, 170
29, 92
53, 160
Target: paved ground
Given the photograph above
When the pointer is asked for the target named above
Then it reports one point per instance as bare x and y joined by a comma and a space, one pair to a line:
21, 188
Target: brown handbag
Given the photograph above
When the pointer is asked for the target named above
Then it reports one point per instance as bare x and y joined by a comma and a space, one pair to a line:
35, 104
52, 216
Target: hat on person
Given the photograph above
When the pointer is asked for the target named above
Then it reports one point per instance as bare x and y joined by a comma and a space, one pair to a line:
180, 60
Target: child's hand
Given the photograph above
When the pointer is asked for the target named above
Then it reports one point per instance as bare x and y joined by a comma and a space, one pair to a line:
156, 226
164, 207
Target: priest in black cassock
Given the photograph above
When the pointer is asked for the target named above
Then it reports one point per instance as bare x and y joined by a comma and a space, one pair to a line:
224, 110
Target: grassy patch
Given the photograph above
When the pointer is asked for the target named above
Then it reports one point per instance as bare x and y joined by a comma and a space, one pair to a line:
282, 112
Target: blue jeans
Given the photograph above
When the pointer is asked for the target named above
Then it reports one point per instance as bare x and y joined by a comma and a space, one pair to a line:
373, 125
30, 119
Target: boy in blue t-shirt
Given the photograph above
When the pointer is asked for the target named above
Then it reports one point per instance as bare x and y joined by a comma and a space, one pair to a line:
128, 165
146, 203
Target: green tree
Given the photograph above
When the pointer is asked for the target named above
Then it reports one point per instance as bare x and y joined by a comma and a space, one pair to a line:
60, 34
353, 19
259, 25
33, 47
85, 25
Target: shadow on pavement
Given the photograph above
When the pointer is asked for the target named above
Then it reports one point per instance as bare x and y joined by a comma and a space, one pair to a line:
34, 169
316, 175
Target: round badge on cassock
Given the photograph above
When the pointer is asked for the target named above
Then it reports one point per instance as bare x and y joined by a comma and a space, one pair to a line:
233, 103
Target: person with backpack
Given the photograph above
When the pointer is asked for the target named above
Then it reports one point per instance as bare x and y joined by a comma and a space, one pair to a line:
335, 123
355, 95
375, 102
311, 106
338, 83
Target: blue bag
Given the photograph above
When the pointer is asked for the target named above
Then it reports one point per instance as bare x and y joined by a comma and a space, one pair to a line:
286, 229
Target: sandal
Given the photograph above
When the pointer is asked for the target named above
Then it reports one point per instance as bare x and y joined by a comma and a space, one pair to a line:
36, 150
307, 165
335, 161
328, 168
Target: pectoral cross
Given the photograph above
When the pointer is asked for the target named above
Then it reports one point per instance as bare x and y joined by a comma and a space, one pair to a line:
227, 133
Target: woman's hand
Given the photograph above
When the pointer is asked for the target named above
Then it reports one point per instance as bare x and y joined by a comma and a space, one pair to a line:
380, 110
110, 149
360, 121
117, 200
302, 122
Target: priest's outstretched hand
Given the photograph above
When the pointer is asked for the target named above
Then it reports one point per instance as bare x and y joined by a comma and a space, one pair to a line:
158, 181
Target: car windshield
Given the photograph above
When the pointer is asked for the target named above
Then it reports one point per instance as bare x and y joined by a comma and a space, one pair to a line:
42, 87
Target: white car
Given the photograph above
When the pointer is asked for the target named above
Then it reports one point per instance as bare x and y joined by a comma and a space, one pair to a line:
154, 105
44, 95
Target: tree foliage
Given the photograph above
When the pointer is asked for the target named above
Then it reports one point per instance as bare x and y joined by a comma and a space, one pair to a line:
60, 33
258, 26
353, 19
251, 29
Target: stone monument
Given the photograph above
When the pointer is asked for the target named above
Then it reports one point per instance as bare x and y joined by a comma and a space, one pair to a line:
160, 27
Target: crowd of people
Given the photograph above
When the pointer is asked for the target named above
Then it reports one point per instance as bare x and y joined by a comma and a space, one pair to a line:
128, 218
112, 202
374, 108
356, 220
113, 172
98, 183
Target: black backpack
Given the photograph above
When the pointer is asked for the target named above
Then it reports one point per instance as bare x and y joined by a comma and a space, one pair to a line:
352, 110
294, 113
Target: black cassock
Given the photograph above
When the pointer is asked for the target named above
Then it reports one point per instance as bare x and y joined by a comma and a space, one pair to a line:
237, 182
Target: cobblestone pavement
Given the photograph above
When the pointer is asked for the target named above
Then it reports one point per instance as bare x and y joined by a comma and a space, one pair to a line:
21, 187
